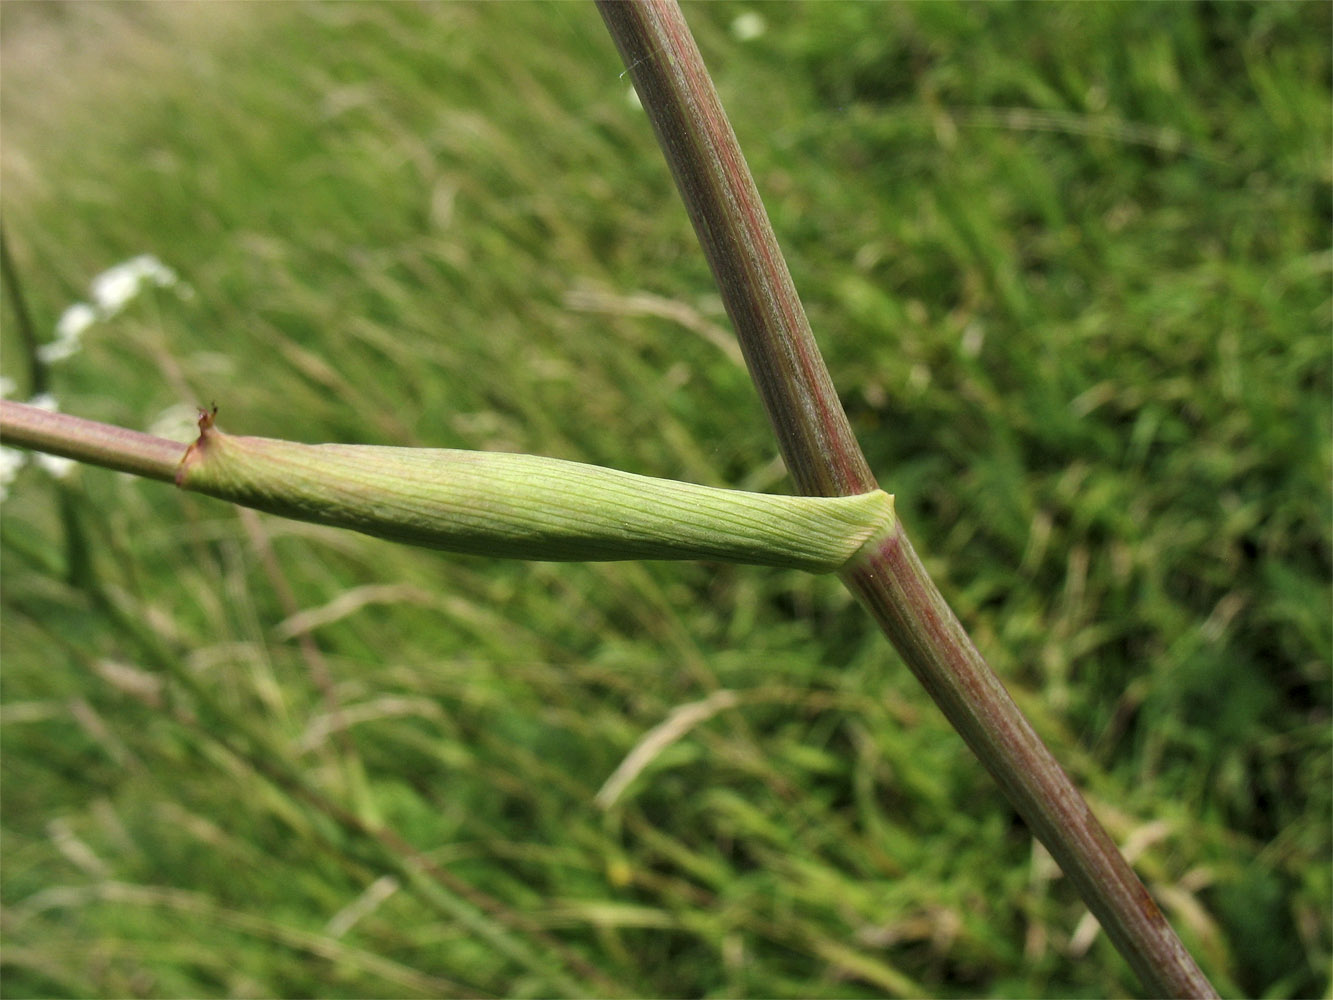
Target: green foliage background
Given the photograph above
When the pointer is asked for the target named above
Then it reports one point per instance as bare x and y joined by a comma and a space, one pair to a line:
1070, 267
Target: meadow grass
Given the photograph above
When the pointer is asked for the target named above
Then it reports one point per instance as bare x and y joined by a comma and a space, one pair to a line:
1070, 269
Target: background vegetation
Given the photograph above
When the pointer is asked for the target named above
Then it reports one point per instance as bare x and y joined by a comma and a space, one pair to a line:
1070, 267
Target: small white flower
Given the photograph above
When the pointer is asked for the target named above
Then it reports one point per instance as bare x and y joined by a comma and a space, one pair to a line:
45, 401
57, 350
69, 330
748, 26
57, 465
75, 320
112, 289
115, 286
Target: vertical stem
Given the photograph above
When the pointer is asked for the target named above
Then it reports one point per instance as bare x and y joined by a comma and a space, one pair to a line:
824, 458
729, 218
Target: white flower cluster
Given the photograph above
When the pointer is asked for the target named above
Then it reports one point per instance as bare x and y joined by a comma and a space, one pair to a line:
110, 291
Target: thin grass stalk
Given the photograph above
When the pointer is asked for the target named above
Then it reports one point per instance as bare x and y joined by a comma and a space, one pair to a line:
27, 330
824, 458
351, 839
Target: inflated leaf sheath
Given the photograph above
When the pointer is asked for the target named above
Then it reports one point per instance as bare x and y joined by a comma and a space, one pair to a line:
528, 507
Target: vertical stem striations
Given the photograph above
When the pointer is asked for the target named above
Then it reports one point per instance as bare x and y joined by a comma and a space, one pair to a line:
824, 458
893, 585
729, 218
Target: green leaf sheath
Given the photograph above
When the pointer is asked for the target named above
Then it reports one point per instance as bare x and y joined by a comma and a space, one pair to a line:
529, 507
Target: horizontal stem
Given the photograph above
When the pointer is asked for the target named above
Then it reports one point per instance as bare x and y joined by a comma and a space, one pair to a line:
89, 441
527, 506
479, 503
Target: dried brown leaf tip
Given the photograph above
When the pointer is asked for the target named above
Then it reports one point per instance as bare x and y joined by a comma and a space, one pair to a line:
207, 418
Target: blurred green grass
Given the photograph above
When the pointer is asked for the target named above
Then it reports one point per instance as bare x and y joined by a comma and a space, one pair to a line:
1070, 267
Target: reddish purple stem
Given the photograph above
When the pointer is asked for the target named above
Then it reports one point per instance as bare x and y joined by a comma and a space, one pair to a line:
825, 460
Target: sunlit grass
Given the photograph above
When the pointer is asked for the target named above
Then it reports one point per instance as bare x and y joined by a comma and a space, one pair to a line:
1070, 268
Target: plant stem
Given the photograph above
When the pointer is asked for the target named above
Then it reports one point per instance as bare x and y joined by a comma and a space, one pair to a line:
894, 586
90, 441
480, 502
820, 450
723, 203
